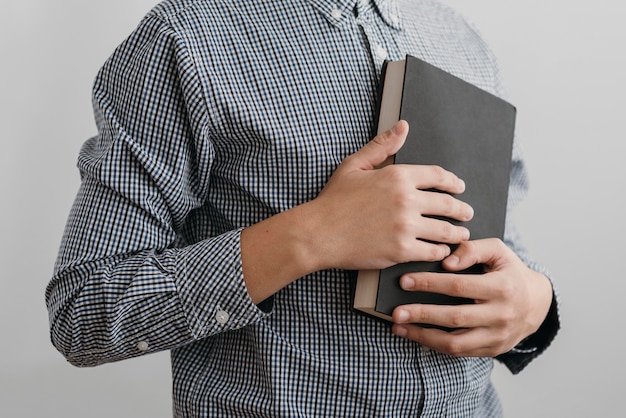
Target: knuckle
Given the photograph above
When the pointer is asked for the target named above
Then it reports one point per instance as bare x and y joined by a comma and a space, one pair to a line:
402, 251
505, 319
404, 202
498, 242
454, 348
402, 230
401, 247
449, 204
422, 316
424, 283
381, 138
397, 174
448, 232
439, 174
458, 285
508, 316
469, 246
500, 344
458, 319
506, 290
435, 253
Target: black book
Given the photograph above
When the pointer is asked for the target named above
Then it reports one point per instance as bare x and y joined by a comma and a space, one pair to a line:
461, 128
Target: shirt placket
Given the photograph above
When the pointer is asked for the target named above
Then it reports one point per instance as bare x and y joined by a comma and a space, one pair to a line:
384, 46
380, 36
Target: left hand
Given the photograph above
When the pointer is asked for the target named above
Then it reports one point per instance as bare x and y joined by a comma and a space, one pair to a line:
512, 302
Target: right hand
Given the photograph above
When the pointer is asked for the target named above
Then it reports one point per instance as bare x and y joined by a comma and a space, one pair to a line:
371, 218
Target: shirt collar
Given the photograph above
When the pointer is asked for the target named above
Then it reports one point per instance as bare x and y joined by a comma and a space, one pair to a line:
337, 11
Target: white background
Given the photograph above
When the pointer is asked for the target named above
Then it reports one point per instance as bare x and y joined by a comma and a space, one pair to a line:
564, 63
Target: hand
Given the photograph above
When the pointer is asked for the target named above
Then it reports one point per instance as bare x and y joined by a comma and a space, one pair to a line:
371, 218
512, 302
365, 218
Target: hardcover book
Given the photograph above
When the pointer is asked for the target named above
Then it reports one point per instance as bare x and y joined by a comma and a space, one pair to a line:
465, 130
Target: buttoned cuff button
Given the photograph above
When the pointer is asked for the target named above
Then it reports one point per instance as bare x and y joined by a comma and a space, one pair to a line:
143, 346
222, 317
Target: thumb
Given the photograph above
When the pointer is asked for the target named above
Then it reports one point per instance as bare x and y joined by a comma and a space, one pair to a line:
381, 147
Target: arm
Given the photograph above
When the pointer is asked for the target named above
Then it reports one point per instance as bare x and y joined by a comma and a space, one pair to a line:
134, 277
130, 278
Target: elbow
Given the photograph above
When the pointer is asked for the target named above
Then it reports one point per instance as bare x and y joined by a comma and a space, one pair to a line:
63, 338
65, 331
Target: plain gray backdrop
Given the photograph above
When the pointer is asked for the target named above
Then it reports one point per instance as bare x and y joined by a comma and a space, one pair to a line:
564, 63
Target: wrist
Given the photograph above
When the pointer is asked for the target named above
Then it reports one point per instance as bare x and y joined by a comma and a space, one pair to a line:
278, 251
543, 295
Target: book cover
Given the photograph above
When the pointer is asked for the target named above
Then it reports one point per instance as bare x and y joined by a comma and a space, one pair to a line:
461, 128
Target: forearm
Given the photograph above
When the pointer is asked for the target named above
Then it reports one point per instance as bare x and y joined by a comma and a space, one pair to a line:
99, 314
279, 250
121, 307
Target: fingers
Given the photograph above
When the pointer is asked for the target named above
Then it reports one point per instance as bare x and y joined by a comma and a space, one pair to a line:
435, 230
442, 204
510, 302
476, 342
449, 316
380, 148
377, 152
384, 145
393, 203
502, 315
471, 286
435, 177
489, 252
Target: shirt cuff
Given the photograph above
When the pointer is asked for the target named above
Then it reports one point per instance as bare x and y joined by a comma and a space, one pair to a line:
212, 290
531, 347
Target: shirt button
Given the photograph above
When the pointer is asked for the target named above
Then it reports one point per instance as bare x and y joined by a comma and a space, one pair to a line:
142, 346
426, 349
336, 14
222, 317
381, 53
394, 19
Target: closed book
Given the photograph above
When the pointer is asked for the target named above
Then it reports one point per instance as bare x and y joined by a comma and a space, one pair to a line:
465, 130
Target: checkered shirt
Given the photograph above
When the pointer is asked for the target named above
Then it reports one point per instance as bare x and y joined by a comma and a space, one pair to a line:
212, 116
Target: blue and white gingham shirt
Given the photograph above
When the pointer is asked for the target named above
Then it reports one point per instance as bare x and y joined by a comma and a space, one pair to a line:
212, 116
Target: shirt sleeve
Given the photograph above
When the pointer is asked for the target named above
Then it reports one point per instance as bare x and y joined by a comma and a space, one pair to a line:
124, 284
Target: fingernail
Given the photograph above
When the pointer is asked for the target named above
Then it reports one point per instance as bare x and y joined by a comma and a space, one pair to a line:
407, 282
402, 316
400, 331
396, 128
